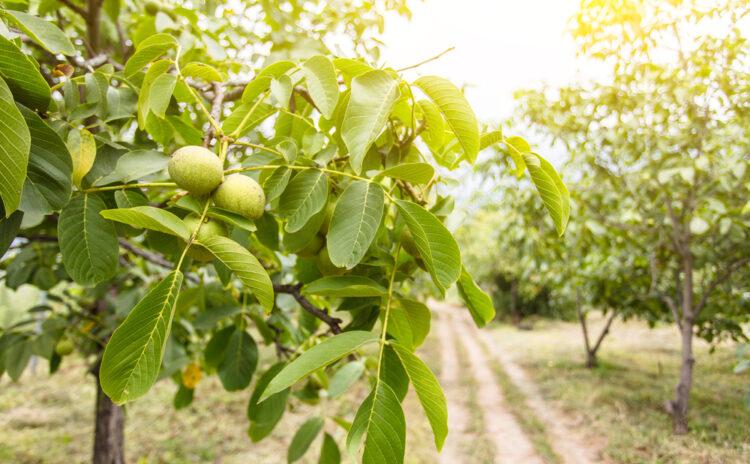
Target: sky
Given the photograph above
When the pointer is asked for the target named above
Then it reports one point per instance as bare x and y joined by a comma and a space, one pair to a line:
500, 46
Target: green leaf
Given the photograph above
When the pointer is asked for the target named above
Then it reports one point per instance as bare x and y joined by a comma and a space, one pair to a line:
262, 80
490, 138
217, 346
281, 90
130, 199
155, 71
318, 356
392, 372
239, 362
148, 50
345, 377
135, 165
457, 111
436, 245
243, 118
231, 218
202, 71
245, 266
149, 217
50, 166
434, 132
160, 94
9, 228
554, 194
304, 438
355, 223
23, 77
372, 98
409, 322
306, 194
82, 148
264, 416
88, 242
344, 286
322, 84
381, 420
276, 183
479, 303
132, 358
518, 147
329, 452
16, 356
428, 391
416, 173
351, 68
46, 34
14, 150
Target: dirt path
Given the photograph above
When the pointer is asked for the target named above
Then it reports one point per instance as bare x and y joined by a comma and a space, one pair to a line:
458, 417
568, 444
500, 427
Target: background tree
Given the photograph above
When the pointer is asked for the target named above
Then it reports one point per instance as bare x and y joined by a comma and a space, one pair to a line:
666, 129
309, 175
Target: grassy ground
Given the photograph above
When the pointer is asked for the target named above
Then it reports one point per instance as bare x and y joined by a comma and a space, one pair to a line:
48, 419
621, 403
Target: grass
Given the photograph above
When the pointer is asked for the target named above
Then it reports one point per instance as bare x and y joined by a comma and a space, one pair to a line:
620, 403
49, 419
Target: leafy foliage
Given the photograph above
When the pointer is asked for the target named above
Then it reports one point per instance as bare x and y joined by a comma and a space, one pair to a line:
160, 283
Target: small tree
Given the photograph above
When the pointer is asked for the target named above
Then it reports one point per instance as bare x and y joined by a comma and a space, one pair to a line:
313, 179
667, 131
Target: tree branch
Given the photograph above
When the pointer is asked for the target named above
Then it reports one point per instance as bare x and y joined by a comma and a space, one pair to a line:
77, 9
718, 280
216, 106
322, 314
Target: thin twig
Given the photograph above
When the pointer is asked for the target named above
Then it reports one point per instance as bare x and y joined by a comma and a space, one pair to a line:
80, 11
322, 314
216, 106
436, 57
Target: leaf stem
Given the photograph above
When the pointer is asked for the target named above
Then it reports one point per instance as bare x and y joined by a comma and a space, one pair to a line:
194, 234
201, 105
236, 133
389, 298
110, 188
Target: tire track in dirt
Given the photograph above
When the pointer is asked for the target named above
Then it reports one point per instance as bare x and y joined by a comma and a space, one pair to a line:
568, 444
450, 380
500, 426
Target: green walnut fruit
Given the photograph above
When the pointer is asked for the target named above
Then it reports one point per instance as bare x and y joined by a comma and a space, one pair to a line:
152, 7
64, 347
196, 169
313, 247
408, 243
327, 220
208, 229
242, 195
325, 266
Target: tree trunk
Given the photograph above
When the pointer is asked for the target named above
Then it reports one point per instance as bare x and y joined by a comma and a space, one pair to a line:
515, 315
678, 407
591, 361
109, 432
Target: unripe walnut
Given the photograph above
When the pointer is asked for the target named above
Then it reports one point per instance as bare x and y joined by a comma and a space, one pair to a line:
242, 195
325, 266
196, 169
208, 229
64, 347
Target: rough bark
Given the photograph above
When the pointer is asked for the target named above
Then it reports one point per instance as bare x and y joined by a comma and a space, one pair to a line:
678, 407
109, 429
